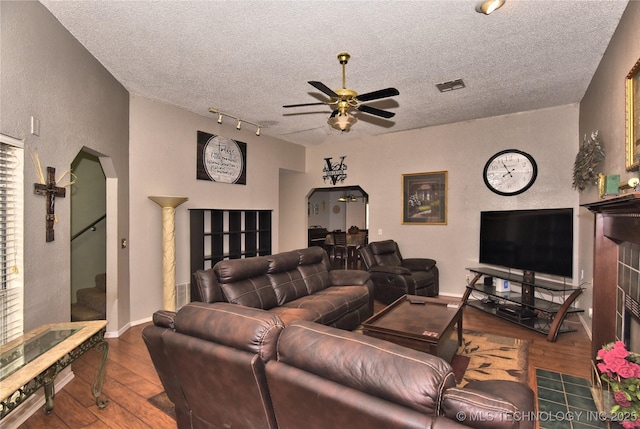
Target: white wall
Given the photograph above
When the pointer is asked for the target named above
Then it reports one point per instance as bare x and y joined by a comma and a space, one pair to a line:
377, 164
47, 74
163, 162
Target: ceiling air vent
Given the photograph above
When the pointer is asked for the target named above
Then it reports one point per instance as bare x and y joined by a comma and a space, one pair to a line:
450, 86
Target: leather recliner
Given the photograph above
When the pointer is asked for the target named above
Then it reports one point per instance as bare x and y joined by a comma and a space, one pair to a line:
393, 276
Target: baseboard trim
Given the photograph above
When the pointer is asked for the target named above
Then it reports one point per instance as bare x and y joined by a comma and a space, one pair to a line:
585, 325
35, 402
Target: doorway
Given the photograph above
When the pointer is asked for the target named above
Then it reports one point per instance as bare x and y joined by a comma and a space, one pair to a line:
88, 239
337, 209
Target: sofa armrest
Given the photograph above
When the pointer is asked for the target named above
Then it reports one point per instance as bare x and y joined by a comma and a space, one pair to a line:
482, 405
418, 264
390, 269
348, 277
164, 319
205, 287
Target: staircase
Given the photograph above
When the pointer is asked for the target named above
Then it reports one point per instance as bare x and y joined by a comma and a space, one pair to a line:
91, 302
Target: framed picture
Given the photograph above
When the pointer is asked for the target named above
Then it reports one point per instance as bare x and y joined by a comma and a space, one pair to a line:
220, 159
424, 198
632, 85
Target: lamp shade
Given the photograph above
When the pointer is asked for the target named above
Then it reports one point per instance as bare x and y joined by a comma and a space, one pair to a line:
342, 122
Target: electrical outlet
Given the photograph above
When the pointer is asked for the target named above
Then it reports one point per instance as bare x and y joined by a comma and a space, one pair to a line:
590, 313
468, 279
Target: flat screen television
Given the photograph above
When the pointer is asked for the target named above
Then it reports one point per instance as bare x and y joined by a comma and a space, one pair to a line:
538, 240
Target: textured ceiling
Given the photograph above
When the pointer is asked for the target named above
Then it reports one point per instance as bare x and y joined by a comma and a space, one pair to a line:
248, 58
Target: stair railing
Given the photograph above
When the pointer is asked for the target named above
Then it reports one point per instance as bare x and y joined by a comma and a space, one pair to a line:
91, 226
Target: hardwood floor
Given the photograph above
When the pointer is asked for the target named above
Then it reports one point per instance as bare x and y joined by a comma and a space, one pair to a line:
131, 377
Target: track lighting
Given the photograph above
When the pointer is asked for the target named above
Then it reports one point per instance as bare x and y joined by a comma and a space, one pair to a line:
489, 6
239, 120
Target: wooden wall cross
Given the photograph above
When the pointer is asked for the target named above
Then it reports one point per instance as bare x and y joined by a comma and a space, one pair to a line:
51, 191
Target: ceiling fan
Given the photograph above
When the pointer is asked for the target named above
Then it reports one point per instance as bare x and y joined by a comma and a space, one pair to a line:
344, 99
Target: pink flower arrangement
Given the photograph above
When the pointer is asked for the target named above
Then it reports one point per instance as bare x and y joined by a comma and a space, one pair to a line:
621, 370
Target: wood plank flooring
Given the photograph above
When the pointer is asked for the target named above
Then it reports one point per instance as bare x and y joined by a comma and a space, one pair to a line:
131, 377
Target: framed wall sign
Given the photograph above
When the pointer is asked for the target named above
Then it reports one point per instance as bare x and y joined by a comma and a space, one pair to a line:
424, 198
632, 85
221, 159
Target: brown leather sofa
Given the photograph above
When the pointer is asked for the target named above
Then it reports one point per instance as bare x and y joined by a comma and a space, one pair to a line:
394, 276
226, 365
295, 285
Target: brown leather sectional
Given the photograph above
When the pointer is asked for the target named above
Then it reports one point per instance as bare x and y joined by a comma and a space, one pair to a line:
294, 285
232, 366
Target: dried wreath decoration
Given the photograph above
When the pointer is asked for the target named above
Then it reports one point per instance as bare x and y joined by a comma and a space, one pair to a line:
589, 156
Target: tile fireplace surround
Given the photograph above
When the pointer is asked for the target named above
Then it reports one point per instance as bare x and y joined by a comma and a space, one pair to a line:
616, 270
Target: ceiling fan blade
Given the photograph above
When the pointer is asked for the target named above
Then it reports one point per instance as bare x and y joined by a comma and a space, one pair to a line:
382, 93
324, 88
376, 112
304, 104
334, 113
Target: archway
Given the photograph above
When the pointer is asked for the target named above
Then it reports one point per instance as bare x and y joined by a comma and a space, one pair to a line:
338, 208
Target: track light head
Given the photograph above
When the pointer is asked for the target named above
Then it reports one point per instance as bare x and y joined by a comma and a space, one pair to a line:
240, 121
489, 6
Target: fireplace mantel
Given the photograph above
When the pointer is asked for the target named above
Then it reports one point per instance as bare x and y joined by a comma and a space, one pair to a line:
617, 221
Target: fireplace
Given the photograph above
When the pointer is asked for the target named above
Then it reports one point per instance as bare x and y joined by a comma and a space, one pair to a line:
628, 314
616, 272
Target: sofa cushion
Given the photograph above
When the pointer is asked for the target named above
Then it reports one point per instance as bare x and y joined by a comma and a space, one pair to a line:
314, 269
332, 303
404, 376
244, 282
285, 279
243, 328
291, 314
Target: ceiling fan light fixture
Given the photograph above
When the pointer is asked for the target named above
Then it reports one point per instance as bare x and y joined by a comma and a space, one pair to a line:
342, 122
489, 6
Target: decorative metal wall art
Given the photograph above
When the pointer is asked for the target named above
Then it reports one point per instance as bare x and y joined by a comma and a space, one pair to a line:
334, 172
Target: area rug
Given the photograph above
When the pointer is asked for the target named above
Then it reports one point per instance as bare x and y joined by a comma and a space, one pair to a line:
493, 357
162, 402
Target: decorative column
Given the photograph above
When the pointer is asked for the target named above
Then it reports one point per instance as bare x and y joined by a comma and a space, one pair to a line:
168, 205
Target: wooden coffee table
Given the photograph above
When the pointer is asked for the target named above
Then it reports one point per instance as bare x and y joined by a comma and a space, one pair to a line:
425, 326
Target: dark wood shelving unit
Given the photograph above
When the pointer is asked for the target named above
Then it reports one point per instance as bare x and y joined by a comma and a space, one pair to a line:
217, 234
525, 309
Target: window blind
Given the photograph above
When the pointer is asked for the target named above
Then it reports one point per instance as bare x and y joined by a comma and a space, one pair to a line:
11, 237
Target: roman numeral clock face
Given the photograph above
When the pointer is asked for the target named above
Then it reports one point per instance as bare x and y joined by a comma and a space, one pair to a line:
510, 172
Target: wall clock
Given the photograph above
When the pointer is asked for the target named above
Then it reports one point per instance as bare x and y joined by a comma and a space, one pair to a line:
510, 172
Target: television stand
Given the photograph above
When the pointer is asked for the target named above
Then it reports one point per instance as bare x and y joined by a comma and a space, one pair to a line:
524, 308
